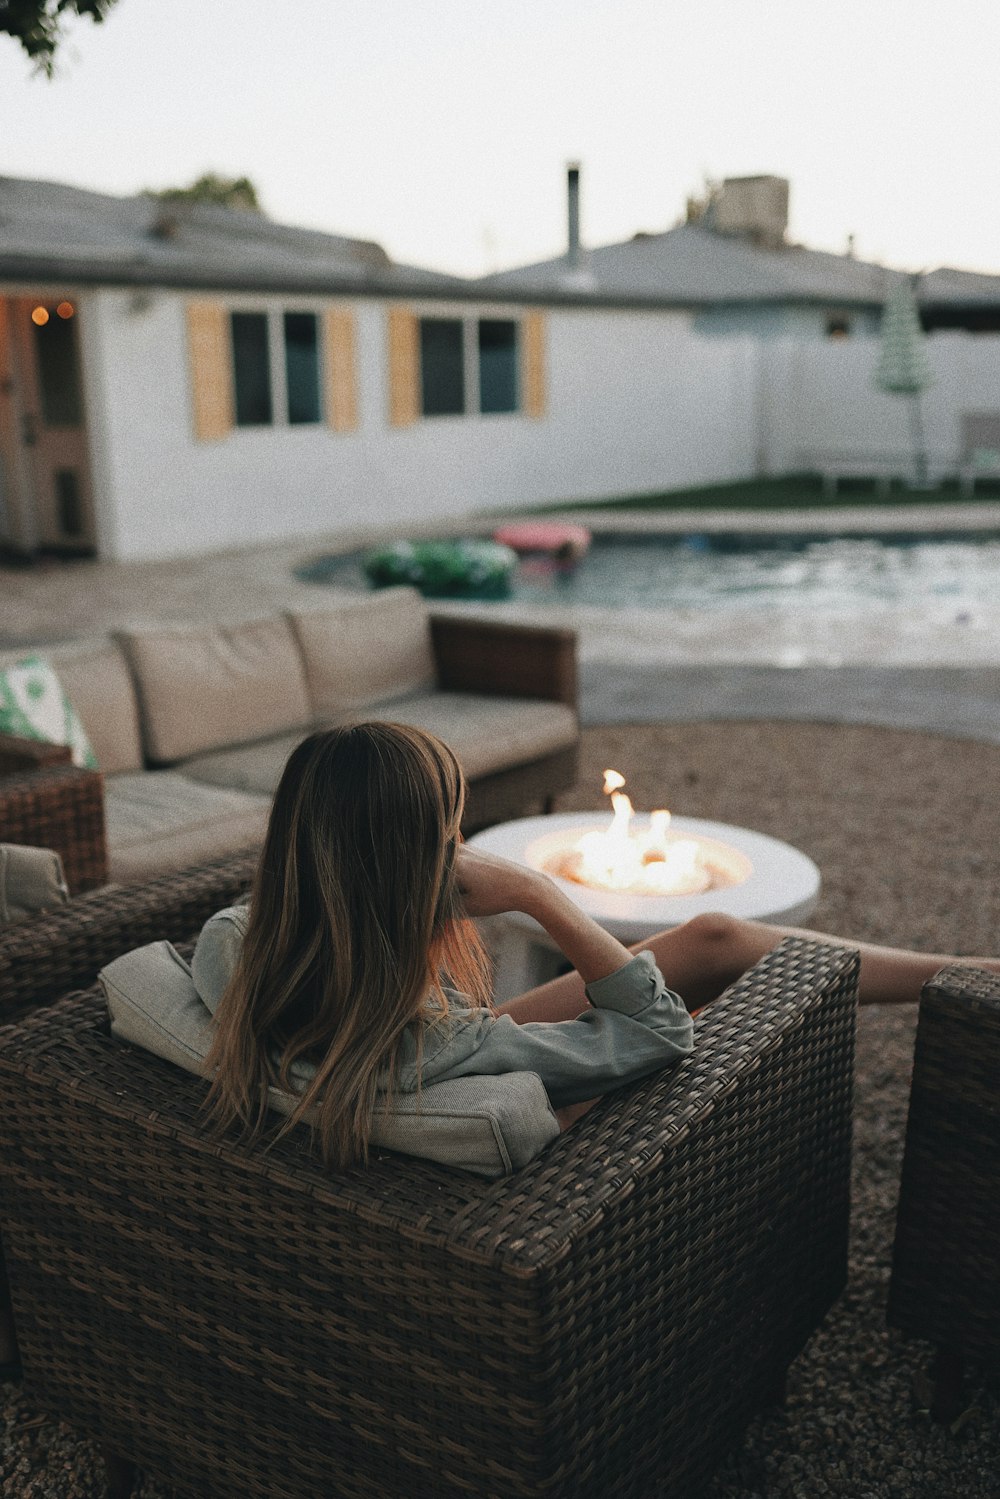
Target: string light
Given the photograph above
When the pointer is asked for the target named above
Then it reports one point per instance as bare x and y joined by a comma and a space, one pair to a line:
39, 316
65, 309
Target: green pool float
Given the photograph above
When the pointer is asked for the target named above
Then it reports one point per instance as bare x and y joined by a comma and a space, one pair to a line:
444, 569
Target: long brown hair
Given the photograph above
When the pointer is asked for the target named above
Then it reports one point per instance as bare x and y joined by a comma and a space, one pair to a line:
354, 921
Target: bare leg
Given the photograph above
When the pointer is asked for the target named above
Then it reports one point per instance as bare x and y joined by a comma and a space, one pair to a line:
704, 956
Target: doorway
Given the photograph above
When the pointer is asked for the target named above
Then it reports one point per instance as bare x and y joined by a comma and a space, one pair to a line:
45, 481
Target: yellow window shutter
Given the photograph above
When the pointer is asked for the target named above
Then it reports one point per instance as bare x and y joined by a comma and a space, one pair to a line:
533, 330
404, 367
210, 354
341, 371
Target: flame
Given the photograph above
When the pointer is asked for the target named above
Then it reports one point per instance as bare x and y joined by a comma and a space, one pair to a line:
651, 863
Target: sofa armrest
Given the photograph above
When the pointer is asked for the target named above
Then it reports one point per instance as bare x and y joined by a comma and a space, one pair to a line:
475, 655
59, 807
66, 948
17, 753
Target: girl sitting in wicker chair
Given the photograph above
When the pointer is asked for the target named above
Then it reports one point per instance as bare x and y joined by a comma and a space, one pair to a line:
356, 970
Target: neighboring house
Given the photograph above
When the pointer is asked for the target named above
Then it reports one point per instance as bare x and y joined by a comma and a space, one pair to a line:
735, 272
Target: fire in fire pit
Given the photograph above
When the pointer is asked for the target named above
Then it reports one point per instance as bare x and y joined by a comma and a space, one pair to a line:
639, 855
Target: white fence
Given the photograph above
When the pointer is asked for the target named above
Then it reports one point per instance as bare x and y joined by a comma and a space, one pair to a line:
821, 399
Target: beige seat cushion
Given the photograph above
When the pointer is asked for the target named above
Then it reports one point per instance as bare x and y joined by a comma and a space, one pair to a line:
209, 686
97, 681
31, 879
487, 733
490, 1125
249, 767
365, 650
159, 820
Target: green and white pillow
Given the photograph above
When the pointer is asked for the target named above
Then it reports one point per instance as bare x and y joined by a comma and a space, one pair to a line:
34, 705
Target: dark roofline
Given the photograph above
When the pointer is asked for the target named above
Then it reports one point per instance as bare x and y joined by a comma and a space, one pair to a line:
128, 272
392, 285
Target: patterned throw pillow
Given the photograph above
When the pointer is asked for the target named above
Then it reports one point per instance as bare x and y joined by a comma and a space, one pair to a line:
34, 706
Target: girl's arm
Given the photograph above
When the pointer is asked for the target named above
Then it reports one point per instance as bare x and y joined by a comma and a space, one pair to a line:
490, 886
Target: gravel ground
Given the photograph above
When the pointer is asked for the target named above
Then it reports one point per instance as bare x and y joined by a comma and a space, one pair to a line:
906, 830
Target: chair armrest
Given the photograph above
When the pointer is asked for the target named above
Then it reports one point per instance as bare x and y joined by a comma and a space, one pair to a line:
17, 753
59, 807
947, 1244
773, 1060
67, 947
475, 655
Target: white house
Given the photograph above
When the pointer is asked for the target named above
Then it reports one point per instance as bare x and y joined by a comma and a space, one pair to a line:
185, 379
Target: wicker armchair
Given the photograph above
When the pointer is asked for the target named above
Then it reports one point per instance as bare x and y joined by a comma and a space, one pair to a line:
946, 1261
46, 801
66, 948
241, 1322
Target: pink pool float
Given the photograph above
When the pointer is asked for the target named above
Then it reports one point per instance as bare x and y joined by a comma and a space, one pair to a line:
561, 543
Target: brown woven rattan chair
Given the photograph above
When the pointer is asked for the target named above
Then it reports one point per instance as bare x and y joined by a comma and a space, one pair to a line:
64, 948
46, 801
243, 1323
946, 1262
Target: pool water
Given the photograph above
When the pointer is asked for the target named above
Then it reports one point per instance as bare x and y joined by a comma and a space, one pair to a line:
733, 571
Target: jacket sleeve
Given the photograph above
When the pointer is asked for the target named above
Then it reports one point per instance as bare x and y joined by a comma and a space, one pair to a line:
637, 1026
216, 953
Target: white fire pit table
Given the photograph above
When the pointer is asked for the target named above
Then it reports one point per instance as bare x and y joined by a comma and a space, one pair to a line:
772, 882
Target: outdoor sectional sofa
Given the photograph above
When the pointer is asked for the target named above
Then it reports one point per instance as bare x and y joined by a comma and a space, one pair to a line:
191, 724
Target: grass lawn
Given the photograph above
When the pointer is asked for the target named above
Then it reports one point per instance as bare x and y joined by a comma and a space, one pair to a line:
790, 492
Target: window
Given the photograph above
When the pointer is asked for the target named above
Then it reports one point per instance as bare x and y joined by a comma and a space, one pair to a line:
251, 369
302, 367
498, 365
270, 386
442, 367
465, 365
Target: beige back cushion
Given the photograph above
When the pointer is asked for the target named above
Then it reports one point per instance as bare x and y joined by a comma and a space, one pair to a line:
96, 679
489, 1125
201, 687
365, 650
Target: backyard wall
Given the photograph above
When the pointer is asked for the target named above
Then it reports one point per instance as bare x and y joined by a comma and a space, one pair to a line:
821, 398
635, 402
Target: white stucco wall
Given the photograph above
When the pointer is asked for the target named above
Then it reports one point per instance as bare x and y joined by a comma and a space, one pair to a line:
635, 403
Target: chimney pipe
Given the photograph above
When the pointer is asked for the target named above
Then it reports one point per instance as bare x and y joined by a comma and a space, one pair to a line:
573, 213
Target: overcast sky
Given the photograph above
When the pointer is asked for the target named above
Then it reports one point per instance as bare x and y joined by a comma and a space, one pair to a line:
442, 128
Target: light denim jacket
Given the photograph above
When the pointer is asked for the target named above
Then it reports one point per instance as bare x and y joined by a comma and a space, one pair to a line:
637, 1025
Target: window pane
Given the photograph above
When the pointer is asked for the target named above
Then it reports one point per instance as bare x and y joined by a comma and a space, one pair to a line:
58, 375
302, 366
442, 367
498, 365
251, 369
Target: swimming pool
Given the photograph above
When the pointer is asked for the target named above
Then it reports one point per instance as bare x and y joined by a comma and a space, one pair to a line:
740, 571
